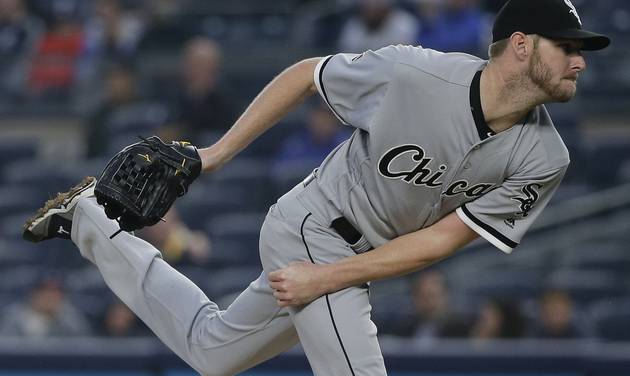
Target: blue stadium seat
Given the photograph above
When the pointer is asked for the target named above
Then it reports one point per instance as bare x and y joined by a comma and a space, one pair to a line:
239, 223
45, 176
21, 279
605, 161
233, 253
611, 256
86, 280
512, 284
200, 276
11, 225
56, 254
243, 228
87, 290
141, 118
13, 150
268, 144
19, 198
93, 306
287, 174
391, 302
17, 252
206, 200
585, 287
388, 311
87, 167
253, 174
610, 319
568, 191
231, 280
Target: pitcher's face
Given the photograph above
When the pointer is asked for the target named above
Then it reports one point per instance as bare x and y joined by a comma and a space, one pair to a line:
555, 66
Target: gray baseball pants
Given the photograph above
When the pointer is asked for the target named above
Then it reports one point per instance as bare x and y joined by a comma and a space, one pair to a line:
335, 330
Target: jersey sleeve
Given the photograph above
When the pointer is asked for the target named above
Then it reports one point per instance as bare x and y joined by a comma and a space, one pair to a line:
353, 85
503, 215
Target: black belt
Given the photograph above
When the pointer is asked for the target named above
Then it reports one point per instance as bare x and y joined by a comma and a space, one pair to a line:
346, 230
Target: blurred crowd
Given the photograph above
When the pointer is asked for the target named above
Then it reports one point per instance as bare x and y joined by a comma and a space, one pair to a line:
139, 67
433, 315
47, 310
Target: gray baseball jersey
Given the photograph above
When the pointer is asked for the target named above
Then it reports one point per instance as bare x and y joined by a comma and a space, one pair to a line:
423, 149
420, 151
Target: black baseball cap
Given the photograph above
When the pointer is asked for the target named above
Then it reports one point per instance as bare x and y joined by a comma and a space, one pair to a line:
554, 19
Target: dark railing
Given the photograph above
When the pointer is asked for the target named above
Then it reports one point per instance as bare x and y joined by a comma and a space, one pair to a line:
148, 357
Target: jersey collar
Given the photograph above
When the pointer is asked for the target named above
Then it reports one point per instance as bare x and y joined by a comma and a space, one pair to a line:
475, 107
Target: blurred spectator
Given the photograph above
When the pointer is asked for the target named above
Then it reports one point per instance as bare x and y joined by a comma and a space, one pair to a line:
450, 26
433, 316
499, 319
120, 321
120, 92
556, 317
19, 33
304, 150
378, 23
54, 67
200, 104
177, 242
113, 33
46, 313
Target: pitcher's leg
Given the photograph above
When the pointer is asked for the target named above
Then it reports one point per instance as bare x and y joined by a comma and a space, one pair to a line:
338, 335
213, 342
335, 330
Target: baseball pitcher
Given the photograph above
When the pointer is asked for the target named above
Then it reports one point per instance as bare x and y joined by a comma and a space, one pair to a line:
447, 147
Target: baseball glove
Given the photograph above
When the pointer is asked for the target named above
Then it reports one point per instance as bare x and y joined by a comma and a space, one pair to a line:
140, 183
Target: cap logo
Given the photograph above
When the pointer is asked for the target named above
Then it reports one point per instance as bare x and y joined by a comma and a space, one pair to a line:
573, 10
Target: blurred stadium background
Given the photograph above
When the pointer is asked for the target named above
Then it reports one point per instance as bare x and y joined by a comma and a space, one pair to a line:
79, 79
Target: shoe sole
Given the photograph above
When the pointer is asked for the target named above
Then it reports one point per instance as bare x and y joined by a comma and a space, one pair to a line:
64, 200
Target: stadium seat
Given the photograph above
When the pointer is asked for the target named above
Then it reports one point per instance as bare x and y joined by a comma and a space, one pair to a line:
21, 279
18, 199
86, 280
45, 176
287, 173
610, 256
138, 118
17, 252
231, 280
512, 284
93, 306
390, 302
11, 224
585, 287
233, 253
611, 154
252, 173
206, 200
14, 150
242, 227
610, 319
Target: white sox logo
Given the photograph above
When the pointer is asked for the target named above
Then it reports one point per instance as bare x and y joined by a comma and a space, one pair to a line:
531, 196
423, 175
573, 11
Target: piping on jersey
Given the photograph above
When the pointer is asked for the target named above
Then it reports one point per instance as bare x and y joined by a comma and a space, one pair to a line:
321, 85
327, 298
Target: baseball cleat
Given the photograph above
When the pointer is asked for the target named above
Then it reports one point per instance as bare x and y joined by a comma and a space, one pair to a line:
54, 219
